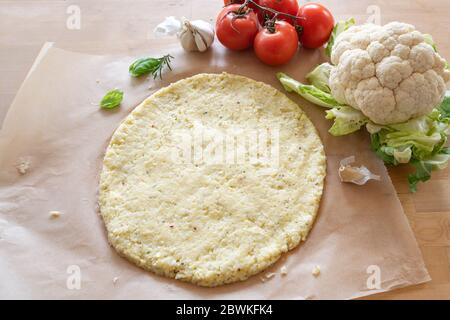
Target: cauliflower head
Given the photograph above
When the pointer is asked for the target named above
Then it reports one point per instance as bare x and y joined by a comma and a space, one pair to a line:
390, 73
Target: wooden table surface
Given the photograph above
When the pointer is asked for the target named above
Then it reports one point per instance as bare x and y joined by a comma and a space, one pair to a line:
26, 25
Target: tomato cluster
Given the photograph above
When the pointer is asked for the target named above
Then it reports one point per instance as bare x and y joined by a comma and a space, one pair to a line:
275, 41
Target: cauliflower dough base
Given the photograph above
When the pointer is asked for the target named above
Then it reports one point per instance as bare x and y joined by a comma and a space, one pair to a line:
202, 223
388, 72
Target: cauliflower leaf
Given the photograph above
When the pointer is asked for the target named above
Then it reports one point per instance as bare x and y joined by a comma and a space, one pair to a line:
340, 27
444, 108
429, 39
346, 120
307, 92
320, 77
402, 156
392, 142
422, 144
425, 167
419, 142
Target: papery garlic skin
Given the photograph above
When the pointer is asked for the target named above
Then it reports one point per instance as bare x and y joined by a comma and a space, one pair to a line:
357, 175
169, 27
197, 35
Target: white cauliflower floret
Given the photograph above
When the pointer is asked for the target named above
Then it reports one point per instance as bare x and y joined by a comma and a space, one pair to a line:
388, 72
393, 70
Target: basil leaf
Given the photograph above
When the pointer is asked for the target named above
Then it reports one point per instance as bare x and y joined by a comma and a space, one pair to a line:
111, 99
154, 66
143, 66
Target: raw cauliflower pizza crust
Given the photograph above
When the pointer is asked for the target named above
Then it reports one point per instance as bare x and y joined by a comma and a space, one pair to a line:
210, 224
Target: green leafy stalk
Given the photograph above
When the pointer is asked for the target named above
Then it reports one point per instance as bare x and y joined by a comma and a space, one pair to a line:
444, 108
320, 76
340, 27
429, 40
419, 142
425, 167
346, 120
154, 66
111, 99
308, 92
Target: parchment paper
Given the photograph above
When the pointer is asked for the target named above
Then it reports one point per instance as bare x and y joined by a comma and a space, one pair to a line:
55, 124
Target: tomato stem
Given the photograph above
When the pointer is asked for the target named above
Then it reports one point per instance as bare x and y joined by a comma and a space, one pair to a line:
275, 12
270, 23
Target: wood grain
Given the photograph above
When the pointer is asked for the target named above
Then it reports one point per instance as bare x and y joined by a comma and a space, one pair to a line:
26, 25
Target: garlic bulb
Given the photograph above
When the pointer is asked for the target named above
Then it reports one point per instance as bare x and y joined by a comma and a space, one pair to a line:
197, 35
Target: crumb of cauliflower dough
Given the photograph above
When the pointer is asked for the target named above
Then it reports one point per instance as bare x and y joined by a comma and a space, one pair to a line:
283, 271
316, 271
115, 279
54, 214
270, 275
23, 166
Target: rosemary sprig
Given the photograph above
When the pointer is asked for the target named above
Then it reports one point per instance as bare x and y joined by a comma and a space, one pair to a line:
154, 66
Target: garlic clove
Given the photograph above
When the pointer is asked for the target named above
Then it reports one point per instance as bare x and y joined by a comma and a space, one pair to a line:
201, 45
357, 175
187, 40
205, 29
197, 35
